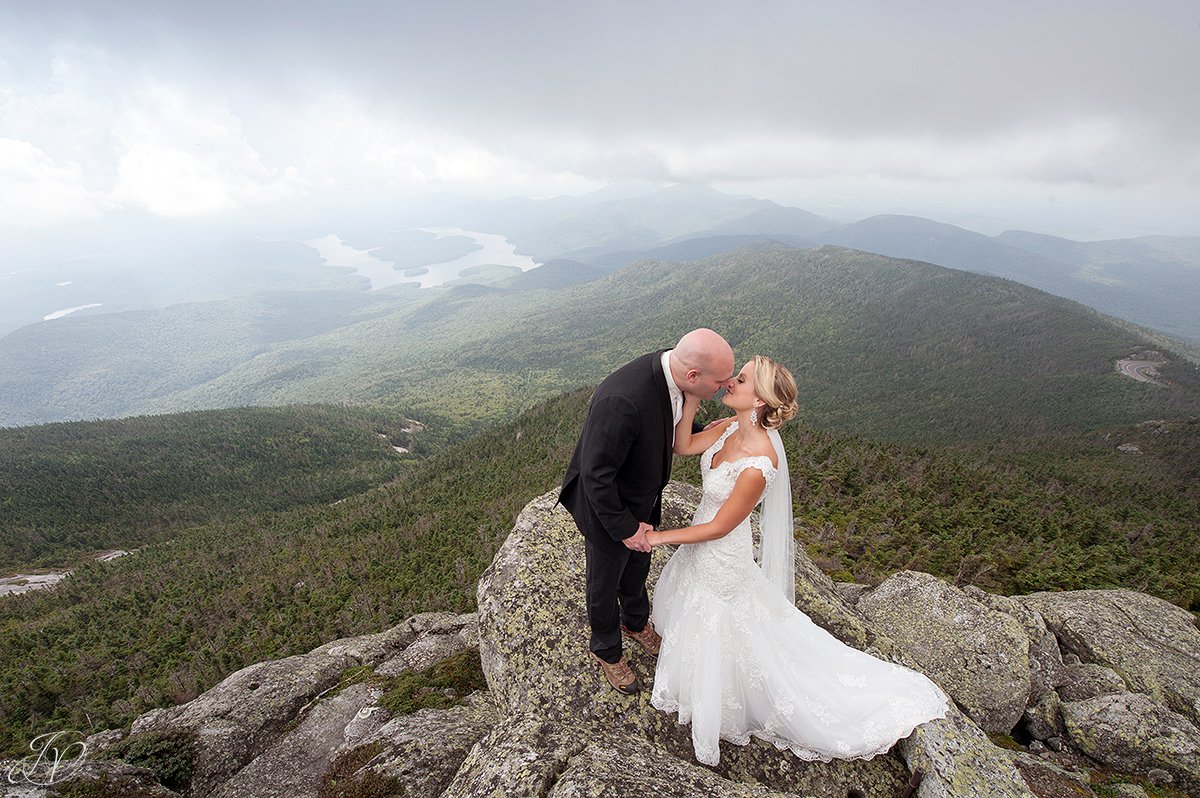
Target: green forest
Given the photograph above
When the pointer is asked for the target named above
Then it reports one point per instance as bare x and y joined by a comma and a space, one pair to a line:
227, 589
73, 489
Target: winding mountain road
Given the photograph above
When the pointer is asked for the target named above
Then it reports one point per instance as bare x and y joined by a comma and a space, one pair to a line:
1142, 370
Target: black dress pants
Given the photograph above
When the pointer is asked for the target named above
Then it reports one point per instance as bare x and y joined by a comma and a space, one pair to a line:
616, 594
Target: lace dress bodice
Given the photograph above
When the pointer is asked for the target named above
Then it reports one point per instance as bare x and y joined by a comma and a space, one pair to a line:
723, 560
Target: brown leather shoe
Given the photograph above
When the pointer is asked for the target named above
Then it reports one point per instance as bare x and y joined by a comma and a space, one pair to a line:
619, 675
648, 639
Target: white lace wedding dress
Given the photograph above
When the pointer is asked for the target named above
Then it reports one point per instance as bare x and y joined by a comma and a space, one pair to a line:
738, 659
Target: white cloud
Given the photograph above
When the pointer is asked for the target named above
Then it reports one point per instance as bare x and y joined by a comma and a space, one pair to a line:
179, 158
38, 191
130, 108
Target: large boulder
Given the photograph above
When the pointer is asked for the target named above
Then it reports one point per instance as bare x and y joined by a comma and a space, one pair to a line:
1151, 644
1132, 732
294, 765
978, 655
1088, 680
959, 762
247, 713
82, 775
401, 749
272, 728
533, 757
533, 642
1045, 658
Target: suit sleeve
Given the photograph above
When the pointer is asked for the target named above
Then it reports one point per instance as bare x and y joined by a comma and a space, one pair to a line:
609, 437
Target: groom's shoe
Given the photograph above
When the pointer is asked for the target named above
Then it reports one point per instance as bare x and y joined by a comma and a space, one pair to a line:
619, 675
648, 639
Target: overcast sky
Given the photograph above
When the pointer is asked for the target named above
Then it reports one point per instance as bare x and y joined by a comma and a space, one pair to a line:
1079, 118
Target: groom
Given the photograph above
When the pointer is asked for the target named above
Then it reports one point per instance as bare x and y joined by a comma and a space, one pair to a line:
613, 486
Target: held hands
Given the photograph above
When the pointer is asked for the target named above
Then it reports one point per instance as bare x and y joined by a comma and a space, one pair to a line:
637, 541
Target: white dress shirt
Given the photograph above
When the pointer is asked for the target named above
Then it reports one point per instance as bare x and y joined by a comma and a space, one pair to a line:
673, 390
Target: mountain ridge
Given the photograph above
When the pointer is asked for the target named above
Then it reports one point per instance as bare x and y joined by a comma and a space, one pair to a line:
911, 340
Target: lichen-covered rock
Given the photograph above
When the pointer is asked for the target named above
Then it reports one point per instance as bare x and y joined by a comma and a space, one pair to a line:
293, 766
851, 592
976, 654
270, 729
532, 757
1088, 680
1048, 780
1043, 718
1131, 732
1126, 791
424, 750
534, 647
959, 761
1152, 644
439, 637
89, 777
1047, 669
533, 640
244, 715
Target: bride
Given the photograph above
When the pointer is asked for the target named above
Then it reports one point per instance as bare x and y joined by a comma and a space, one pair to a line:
737, 658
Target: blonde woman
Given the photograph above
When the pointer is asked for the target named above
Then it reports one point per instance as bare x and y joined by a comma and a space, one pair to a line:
737, 659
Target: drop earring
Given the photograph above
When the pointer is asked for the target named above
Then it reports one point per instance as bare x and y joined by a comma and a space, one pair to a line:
753, 417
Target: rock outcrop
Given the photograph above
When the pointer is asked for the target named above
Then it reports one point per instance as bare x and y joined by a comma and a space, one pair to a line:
1107, 677
1133, 733
978, 655
1151, 644
533, 641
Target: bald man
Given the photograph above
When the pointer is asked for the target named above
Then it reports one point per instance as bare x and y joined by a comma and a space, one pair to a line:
613, 486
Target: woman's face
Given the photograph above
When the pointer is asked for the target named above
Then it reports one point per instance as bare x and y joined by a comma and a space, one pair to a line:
739, 391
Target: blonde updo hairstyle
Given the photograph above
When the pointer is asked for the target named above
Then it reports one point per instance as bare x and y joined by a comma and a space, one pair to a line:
776, 386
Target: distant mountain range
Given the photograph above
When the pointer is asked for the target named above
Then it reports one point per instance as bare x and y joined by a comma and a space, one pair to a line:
1152, 281
887, 348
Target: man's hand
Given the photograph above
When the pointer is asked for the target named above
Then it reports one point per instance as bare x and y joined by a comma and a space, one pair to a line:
637, 541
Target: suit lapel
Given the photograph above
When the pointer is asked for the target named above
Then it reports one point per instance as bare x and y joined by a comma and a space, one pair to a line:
668, 415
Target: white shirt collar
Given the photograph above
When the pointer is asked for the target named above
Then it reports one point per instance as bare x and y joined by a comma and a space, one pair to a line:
672, 388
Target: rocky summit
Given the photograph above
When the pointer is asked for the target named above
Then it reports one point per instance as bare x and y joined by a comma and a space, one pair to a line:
1057, 694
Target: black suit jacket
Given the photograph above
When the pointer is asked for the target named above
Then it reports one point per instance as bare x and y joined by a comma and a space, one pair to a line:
623, 459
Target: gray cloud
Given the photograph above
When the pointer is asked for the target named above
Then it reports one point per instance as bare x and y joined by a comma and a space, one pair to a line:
287, 98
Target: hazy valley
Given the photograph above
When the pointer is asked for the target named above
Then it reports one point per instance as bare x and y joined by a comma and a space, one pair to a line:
298, 457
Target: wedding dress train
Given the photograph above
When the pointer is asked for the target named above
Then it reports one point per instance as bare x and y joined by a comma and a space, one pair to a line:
738, 659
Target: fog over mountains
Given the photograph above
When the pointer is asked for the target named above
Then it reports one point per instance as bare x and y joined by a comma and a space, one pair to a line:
138, 262
622, 271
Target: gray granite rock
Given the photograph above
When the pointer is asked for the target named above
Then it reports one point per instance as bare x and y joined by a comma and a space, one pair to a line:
1088, 680
93, 777
534, 648
1045, 658
294, 765
1133, 733
851, 592
533, 641
424, 751
531, 757
272, 728
978, 655
1150, 643
439, 636
1126, 791
959, 761
247, 713
1043, 719
1050, 779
